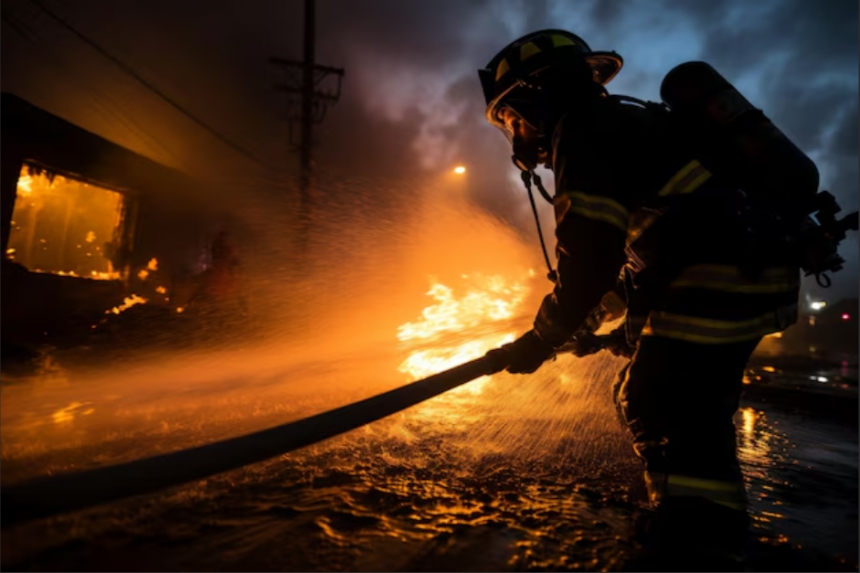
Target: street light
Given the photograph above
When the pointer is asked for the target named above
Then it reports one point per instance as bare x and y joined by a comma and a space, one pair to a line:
459, 170
817, 304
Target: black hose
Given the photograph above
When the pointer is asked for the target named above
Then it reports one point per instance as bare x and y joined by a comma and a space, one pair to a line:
52, 495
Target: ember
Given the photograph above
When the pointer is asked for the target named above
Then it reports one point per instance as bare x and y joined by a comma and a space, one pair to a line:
129, 302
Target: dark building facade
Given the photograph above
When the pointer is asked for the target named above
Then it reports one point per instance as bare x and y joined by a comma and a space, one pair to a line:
88, 227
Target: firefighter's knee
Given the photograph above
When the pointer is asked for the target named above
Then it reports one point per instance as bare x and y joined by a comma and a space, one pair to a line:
637, 410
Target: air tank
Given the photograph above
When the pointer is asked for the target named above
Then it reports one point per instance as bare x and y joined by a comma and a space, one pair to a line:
741, 142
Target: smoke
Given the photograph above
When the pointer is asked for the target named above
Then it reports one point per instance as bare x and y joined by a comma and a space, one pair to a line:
411, 105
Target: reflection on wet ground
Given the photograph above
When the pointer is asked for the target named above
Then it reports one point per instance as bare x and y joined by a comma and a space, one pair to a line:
515, 473
801, 475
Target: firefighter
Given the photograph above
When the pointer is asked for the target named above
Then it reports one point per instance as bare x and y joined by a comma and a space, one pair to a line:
634, 203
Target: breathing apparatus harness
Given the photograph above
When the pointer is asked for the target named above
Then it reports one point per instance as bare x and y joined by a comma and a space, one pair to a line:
778, 183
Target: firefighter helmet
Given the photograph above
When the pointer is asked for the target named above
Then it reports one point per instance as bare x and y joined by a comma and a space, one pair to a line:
526, 61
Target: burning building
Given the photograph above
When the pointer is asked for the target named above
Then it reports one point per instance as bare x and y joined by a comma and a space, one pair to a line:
88, 226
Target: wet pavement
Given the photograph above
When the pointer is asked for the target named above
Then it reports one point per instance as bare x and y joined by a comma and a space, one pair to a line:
508, 473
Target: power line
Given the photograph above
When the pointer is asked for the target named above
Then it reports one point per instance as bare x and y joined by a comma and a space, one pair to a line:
130, 71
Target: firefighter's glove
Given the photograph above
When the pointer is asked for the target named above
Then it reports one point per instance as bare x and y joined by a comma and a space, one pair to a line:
585, 344
618, 344
526, 354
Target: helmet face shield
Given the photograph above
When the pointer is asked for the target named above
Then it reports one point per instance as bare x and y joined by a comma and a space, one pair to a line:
525, 118
509, 121
526, 142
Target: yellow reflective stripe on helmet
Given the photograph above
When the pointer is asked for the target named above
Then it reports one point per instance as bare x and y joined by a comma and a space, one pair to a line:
689, 178
728, 493
708, 330
559, 40
599, 208
728, 278
528, 50
502, 69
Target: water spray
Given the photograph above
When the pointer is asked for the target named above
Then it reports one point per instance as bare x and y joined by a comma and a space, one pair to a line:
56, 494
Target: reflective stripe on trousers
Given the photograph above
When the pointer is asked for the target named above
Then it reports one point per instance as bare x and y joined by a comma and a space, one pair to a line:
678, 399
727, 493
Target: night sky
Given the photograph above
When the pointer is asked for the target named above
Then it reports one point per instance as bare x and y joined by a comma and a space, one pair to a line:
411, 100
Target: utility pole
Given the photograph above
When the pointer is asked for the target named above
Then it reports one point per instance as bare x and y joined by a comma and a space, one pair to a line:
307, 100
305, 79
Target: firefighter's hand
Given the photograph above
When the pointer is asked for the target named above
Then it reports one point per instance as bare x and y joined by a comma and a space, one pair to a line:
584, 344
526, 354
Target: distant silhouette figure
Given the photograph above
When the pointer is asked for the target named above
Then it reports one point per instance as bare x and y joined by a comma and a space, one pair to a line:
218, 295
222, 273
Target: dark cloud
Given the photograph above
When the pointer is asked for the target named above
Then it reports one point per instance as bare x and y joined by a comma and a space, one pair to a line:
535, 15
846, 140
365, 144
607, 13
411, 100
427, 34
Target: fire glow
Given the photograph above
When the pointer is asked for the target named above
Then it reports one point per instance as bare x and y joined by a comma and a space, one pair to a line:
64, 226
127, 303
487, 302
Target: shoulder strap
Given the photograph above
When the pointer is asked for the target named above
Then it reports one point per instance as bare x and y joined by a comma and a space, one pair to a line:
649, 105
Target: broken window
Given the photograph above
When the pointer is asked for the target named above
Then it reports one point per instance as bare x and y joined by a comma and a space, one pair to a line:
65, 226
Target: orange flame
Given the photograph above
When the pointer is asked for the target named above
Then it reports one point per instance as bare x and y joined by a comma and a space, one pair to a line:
25, 184
479, 314
127, 303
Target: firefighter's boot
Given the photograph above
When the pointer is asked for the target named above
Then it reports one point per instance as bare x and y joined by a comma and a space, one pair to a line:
692, 534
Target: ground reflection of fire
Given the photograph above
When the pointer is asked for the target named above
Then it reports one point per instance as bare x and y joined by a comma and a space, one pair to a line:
456, 329
754, 446
759, 454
